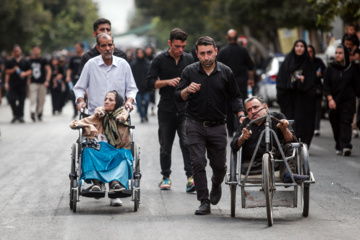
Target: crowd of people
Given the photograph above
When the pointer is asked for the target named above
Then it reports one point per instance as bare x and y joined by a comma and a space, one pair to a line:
201, 94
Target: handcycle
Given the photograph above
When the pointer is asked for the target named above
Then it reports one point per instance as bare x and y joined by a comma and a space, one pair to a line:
77, 187
267, 189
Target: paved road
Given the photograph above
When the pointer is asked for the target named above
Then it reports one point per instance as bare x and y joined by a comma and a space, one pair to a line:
35, 162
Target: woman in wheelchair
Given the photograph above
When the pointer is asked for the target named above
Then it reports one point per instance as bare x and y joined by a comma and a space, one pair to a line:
247, 139
112, 163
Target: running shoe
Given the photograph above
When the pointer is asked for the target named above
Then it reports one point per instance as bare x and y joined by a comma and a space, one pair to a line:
165, 184
190, 185
346, 152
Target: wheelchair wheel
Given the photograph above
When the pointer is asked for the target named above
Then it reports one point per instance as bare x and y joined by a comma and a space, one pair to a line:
72, 174
136, 177
136, 199
232, 186
74, 200
267, 185
305, 186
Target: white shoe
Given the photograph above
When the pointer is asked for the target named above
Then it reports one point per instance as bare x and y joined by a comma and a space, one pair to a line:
355, 133
338, 152
317, 133
115, 202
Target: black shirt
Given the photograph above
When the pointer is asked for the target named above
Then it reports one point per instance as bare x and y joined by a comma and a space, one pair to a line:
15, 79
209, 104
249, 145
94, 52
74, 65
164, 67
38, 70
140, 68
237, 59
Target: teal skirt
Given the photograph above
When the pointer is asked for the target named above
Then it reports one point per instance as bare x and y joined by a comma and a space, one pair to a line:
107, 164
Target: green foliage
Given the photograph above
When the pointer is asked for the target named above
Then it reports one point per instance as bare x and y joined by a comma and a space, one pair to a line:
53, 24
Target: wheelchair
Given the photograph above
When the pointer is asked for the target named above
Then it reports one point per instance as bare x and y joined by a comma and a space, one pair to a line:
77, 188
267, 189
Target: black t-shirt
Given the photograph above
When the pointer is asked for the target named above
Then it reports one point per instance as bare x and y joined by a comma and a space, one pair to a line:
74, 65
15, 79
164, 67
38, 70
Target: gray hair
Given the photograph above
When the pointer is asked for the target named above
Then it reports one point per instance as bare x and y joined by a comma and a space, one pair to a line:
261, 100
103, 35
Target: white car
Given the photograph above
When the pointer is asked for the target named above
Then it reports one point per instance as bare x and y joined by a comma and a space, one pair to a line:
267, 84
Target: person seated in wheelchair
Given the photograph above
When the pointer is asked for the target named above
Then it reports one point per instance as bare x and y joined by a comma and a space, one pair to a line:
256, 107
112, 163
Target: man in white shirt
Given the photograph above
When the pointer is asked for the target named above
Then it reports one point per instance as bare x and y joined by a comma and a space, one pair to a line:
102, 74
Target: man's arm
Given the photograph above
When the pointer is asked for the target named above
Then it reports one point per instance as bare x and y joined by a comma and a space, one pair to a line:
288, 136
48, 75
131, 89
81, 86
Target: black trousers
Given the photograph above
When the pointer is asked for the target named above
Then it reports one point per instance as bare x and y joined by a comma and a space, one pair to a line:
16, 99
318, 111
211, 141
171, 123
341, 121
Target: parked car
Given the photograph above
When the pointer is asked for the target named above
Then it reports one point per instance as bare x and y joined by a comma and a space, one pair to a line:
267, 84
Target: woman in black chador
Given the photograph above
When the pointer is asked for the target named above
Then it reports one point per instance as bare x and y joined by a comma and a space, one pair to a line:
296, 91
341, 85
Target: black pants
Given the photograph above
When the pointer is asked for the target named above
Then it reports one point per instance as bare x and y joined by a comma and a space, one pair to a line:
318, 111
341, 121
210, 140
169, 124
16, 99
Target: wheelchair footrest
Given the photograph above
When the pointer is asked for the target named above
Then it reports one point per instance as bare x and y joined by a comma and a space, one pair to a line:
93, 194
120, 194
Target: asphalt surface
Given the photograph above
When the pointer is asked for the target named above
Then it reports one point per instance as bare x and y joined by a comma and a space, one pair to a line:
34, 195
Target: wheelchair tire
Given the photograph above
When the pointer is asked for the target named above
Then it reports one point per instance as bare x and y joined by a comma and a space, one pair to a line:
233, 187
74, 201
136, 200
305, 188
267, 176
306, 199
72, 174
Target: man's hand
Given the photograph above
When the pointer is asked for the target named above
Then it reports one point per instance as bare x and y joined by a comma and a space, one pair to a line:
81, 104
93, 131
174, 82
245, 134
129, 104
283, 124
193, 88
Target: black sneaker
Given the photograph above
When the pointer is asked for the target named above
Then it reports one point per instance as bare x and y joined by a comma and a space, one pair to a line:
204, 208
298, 178
117, 187
21, 119
40, 117
33, 117
13, 120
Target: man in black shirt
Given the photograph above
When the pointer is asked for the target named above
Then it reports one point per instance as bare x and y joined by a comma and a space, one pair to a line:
72, 73
40, 79
101, 25
17, 71
238, 60
164, 73
248, 139
206, 85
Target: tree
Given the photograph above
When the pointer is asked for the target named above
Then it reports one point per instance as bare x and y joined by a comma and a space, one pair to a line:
53, 24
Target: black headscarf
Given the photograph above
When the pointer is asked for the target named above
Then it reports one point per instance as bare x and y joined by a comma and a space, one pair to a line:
346, 64
294, 63
109, 121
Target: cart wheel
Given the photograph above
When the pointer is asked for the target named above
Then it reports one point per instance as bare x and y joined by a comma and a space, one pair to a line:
233, 187
74, 201
136, 200
306, 199
72, 174
267, 176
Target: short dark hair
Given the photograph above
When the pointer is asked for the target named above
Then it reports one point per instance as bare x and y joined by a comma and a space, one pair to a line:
261, 100
103, 35
204, 41
100, 21
80, 44
178, 34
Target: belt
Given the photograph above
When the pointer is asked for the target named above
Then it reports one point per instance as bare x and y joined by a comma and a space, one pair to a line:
207, 123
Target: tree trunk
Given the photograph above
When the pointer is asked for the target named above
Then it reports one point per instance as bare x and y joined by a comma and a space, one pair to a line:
315, 41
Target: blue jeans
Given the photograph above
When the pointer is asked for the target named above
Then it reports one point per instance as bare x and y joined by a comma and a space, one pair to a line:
142, 101
169, 124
